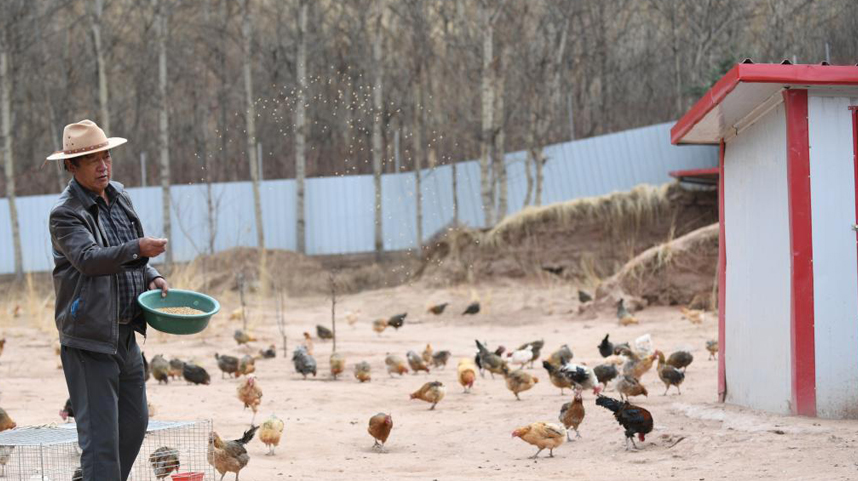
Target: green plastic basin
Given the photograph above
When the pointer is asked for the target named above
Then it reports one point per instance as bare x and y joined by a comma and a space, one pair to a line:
150, 301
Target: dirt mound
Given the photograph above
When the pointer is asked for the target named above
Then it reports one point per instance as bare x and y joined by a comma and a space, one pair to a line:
681, 271
584, 240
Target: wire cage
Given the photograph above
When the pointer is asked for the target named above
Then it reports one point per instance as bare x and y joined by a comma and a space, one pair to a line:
171, 451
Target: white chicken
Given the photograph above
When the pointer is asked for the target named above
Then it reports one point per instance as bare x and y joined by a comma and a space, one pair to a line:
643, 345
521, 356
582, 377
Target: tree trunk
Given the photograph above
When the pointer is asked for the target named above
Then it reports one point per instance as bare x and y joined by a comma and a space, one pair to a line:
529, 165
163, 122
250, 122
96, 19
377, 107
486, 136
301, 129
9, 170
417, 141
499, 149
539, 162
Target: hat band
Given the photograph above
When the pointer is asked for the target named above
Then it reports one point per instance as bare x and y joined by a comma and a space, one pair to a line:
85, 149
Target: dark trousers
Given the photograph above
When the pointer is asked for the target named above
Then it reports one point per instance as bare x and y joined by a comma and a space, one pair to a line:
108, 395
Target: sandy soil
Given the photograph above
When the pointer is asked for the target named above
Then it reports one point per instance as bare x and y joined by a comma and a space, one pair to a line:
468, 435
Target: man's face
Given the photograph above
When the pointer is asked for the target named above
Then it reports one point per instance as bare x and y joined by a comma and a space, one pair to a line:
93, 171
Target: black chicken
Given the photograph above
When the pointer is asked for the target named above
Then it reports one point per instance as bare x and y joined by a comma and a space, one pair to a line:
605, 373
583, 297
634, 419
606, 347
269, 353
472, 309
67, 412
323, 332
397, 321
195, 374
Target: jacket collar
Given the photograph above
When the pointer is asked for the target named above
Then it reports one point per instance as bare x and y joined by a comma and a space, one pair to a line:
87, 197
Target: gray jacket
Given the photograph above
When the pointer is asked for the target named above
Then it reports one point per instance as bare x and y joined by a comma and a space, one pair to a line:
85, 270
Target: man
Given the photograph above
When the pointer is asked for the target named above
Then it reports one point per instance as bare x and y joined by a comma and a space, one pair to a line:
100, 266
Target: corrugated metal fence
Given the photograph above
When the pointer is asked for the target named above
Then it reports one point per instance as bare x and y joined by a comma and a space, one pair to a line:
339, 210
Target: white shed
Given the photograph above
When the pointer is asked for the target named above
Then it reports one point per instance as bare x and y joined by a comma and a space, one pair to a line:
788, 273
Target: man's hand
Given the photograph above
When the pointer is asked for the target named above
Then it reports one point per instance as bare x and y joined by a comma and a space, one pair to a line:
160, 283
152, 247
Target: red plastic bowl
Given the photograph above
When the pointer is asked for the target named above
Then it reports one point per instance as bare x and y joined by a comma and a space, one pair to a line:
188, 476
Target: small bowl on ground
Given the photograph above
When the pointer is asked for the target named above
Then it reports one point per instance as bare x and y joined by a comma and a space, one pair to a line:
176, 301
190, 476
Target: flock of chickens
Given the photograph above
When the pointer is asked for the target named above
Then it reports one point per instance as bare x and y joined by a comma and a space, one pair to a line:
623, 366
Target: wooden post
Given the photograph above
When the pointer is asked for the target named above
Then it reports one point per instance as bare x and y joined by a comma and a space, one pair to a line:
332, 278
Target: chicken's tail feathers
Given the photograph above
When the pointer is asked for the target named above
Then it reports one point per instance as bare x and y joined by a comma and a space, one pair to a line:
609, 403
248, 435
481, 347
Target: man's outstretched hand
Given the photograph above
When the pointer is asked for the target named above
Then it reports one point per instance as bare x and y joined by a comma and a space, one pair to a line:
152, 247
160, 283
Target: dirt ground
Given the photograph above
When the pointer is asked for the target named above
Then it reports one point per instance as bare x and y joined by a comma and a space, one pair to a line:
468, 435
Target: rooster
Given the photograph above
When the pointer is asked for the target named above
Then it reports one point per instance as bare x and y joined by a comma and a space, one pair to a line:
634, 419
229, 456
250, 394
542, 435
467, 373
164, 460
363, 371
270, 432
379, 428
431, 392
572, 414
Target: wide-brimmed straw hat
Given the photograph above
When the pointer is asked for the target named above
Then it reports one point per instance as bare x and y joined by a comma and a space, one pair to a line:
84, 138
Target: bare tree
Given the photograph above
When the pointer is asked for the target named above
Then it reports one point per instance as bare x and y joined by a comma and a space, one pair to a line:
8, 158
96, 17
301, 127
488, 16
161, 31
377, 107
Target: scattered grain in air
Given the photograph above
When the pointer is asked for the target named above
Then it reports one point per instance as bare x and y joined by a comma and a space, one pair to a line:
184, 311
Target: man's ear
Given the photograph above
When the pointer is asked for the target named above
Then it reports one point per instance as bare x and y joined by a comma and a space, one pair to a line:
69, 165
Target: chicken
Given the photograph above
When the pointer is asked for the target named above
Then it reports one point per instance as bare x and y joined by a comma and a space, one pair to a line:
623, 315
521, 356
560, 356
712, 347
606, 347
427, 353
542, 435
227, 365
618, 348
395, 364
304, 362
269, 353
536, 349
668, 374
557, 271
472, 309
605, 373
6, 456
556, 378
440, 358
571, 415
582, 377
379, 428
229, 456
629, 386
237, 314
637, 366
323, 332
176, 368
270, 433
250, 393
467, 373
416, 362
247, 365
519, 381
6, 421
164, 461
491, 362
78, 474
634, 419
151, 408
338, 364
242, 337
352, 317
584, 297
431, 392
397, 321
694, 315
680, 359
363, 371
438, 309
643, 345
195, 374
160, 369
379, 325
67, 412
308, 343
